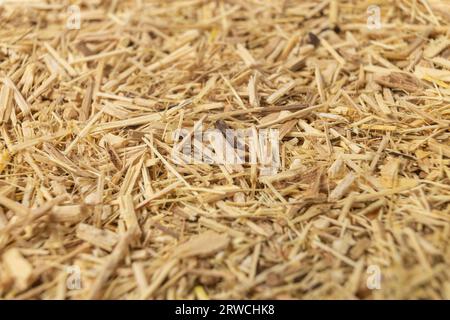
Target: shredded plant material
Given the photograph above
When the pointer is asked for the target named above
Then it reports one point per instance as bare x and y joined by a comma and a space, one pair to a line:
93, 205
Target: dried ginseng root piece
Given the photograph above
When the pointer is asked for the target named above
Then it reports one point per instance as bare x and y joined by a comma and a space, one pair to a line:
400, 81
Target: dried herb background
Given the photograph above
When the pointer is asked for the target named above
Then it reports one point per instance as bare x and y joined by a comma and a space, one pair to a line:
86, 176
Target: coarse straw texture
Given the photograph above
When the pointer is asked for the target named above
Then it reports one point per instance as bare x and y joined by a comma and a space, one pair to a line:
92, 205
